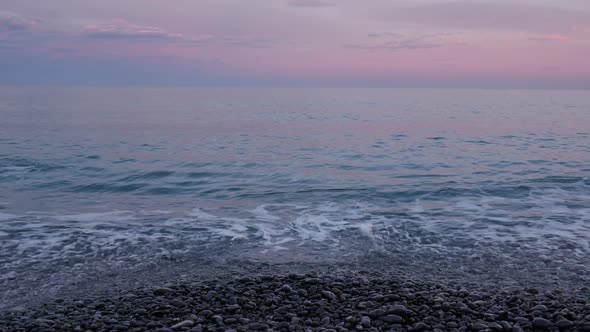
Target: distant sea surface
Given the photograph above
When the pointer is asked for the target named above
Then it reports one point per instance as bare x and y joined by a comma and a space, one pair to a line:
92, 179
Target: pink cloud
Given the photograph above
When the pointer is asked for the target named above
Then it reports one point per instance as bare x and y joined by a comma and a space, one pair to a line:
126, 31
10, 22
391, 41
551, 37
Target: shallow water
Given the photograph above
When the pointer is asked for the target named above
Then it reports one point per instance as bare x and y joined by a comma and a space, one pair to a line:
105, 178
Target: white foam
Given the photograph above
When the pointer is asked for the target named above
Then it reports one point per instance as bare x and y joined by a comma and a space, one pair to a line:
366, 229
315, 227
232, 233
551, 217
261, 213
197, 212
160, 212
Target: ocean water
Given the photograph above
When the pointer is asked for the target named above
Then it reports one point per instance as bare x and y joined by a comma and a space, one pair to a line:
93, 179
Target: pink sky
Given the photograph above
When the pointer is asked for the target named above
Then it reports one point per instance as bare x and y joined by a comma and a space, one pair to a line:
304, 42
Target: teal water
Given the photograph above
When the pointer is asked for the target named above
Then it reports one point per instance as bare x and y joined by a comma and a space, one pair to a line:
123, 176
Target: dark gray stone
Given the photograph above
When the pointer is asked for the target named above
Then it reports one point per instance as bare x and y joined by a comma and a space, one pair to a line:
258, 326
329, 295
564, 324
392, 319
540, 307
162, 291
419, 327
205, 313
541, 323
365, 321
186, 323
399, 310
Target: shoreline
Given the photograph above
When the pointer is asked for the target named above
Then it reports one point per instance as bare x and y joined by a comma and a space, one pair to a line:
303, 297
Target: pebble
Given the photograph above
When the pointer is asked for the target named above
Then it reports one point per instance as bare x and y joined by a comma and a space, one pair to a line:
258, 326
564, 324
479, 326
365, 321
233, 307
162, 291
393, 319
541, 323
205, 313
419, 327
399, 310
329, 295
540, 307
186, 323
317, 303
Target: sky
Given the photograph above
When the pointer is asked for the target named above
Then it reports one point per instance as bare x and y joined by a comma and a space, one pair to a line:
357, 43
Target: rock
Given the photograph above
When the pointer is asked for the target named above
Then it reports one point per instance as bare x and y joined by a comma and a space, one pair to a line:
233, 307
584, 327
541, 323
540, 307
325, 321
186, 323
365, 321
258, 327
140, 312
496, 327
377, 313
218, 320
230, 321
286, 288
162, 291
392, 319
177, 303
506, 326
329, 295
311, 281
478, 326
399, 310
452, 324
419, 327
564, 324
205, 313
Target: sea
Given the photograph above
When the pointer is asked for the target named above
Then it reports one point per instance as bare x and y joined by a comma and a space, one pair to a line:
94, 180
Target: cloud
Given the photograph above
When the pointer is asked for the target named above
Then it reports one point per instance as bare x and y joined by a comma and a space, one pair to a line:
129, 32
384, 34
10, 22
551, 37
248, 42
391, 41
310, 3
487, 15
